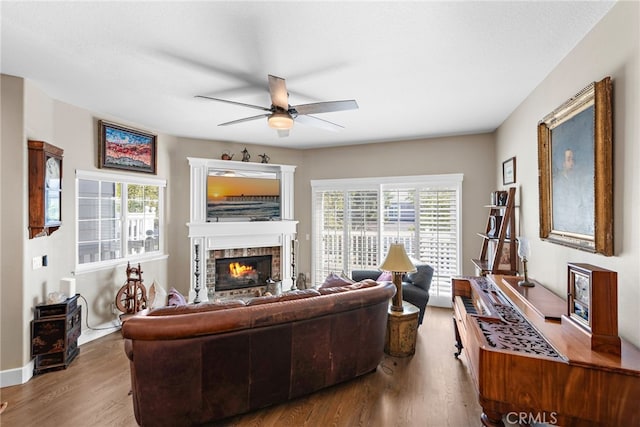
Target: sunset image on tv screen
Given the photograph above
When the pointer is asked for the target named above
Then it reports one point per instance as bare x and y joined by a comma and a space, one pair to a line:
241, 198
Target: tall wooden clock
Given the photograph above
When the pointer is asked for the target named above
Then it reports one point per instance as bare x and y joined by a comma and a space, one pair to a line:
45, 188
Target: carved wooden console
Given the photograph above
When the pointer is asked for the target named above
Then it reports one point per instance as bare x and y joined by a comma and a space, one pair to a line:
527, 358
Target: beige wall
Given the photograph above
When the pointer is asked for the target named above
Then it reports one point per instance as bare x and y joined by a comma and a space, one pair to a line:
611, 49
13, 318
471, 155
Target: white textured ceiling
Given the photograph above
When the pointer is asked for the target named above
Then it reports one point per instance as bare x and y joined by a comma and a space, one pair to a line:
416, 69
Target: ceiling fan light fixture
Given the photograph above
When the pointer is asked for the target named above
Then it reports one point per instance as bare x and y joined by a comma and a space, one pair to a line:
280, 121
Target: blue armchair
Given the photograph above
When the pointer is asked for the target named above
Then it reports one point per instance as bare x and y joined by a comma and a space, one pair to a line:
415, 286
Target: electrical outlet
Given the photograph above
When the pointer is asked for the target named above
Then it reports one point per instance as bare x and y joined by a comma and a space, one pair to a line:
37, 262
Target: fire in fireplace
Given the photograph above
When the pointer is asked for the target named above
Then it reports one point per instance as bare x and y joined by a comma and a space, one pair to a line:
242, 272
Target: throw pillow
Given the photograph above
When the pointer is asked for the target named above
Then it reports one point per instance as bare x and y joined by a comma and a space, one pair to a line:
161, 297
346, 278
176, 298
157, 296
422, 277
386, 276
334, 280
151, 295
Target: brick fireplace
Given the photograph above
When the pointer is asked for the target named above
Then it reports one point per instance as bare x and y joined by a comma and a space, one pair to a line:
212, 241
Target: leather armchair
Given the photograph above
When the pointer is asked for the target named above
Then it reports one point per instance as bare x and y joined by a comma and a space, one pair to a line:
415, 286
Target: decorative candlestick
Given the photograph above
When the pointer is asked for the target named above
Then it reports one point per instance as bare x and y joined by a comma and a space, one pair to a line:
524, 252
197, 274
294, 244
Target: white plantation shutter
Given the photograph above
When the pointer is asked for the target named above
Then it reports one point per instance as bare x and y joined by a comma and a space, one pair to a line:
355, 221
361, 230
329, 229
439, 242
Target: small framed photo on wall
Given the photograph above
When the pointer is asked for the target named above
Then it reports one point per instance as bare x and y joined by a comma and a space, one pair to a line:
509, 171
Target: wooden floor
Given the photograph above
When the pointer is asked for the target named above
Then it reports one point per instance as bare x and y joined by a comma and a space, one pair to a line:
431, 388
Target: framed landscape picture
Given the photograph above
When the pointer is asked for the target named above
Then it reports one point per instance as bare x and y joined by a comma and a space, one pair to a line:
126, 148
575, 171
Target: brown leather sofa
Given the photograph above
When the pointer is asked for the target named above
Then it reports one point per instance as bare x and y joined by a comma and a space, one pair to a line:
198, 363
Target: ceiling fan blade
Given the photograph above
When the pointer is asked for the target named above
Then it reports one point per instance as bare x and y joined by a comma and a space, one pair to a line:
319, 123
257, 107
326, 107
246, 119
278, 91
283, 132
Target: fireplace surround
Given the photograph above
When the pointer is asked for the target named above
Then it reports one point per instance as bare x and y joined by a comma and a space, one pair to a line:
238, 238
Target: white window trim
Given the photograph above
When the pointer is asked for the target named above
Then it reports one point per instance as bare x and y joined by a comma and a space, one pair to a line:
375, 183
124, 179
128, 179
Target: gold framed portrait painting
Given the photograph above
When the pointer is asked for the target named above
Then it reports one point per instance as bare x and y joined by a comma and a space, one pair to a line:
575, 171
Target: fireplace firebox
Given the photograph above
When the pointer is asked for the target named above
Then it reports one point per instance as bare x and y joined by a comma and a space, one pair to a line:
242, 272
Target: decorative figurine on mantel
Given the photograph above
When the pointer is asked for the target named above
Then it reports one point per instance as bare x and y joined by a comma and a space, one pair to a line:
227, 156
245, 155
265, 158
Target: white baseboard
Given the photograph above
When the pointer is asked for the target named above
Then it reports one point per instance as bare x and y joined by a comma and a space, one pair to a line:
16, 376
99, 331
21, 375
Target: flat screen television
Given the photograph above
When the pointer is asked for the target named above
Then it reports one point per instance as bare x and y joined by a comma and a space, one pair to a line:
242, 198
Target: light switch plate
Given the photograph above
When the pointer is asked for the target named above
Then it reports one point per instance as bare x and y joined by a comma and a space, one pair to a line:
37, 262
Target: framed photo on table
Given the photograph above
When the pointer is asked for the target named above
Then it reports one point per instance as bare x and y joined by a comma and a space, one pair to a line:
580, 296
575, 171
126, 148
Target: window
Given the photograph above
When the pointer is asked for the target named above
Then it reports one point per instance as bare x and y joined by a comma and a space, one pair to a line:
117, 217
356, 220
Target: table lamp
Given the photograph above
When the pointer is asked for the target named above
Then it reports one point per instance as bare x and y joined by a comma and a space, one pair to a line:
397, 262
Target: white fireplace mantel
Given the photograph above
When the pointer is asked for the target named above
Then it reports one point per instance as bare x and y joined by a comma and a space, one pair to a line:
232, 235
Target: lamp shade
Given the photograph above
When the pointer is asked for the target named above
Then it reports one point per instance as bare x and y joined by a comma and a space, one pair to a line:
524, 250
397, 260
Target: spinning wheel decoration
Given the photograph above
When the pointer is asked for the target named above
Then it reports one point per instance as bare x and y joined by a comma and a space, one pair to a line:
132, 296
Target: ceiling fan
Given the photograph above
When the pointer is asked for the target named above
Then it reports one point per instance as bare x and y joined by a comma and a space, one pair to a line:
281, 115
